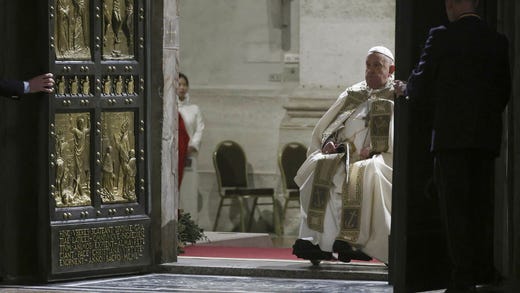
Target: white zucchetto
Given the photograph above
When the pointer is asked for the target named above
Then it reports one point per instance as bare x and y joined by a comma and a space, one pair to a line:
382, 50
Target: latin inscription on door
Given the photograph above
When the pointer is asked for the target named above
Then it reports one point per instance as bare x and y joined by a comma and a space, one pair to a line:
108, 245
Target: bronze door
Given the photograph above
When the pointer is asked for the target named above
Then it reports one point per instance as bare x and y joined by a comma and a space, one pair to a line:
98, 203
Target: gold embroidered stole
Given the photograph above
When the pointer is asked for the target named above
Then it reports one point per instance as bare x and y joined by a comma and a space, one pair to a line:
380, 118
320, 193
352, 199
352, 101
379, 124
326, 167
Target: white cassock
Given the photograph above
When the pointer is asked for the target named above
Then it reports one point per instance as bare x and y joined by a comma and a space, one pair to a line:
343, 197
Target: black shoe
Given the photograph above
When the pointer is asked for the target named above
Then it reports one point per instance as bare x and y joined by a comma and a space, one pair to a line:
306, 250
346, 252
343, 249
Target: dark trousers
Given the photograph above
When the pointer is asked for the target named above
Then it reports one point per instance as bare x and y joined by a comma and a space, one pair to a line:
465, 183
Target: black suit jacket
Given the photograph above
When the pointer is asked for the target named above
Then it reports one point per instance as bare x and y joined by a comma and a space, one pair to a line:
10, 88
464, 74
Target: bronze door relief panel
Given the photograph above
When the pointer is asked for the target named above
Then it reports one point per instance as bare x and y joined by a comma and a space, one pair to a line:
72, 29
72, 159
118, 29
98, 204
118, 160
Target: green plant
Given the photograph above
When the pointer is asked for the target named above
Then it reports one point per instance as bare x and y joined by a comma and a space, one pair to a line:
188, 231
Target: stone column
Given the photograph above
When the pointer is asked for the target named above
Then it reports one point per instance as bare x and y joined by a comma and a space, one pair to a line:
164, 47
169, 174
301, 115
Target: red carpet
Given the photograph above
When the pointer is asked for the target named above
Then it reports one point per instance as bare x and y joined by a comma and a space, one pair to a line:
244, 252
239, 252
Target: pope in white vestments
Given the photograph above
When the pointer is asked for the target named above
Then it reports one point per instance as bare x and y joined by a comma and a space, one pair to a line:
346, 180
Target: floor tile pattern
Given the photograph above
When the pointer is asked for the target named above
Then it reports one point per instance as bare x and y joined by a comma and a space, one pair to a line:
206, 283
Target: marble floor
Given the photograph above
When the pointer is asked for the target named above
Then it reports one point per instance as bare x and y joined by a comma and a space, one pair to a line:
200, 274
205, 283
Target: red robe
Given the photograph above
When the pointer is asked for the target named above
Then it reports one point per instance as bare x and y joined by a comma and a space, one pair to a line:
184, 139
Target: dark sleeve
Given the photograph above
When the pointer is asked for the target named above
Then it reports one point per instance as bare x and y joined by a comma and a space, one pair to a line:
421, 79
503, 76
10, 88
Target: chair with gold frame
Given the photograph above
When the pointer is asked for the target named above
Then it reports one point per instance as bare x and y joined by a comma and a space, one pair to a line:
230, 165
290, 158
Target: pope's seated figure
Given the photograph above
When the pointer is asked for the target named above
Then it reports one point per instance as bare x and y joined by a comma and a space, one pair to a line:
346, 181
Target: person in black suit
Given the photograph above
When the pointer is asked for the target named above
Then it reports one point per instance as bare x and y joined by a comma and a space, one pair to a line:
463, 73
15, 88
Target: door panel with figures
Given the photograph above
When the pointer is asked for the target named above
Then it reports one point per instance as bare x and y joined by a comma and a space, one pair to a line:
98, 214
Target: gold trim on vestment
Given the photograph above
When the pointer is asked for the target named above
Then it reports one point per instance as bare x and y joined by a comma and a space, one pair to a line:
320, 193
352, 200
380, 118
353, 101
